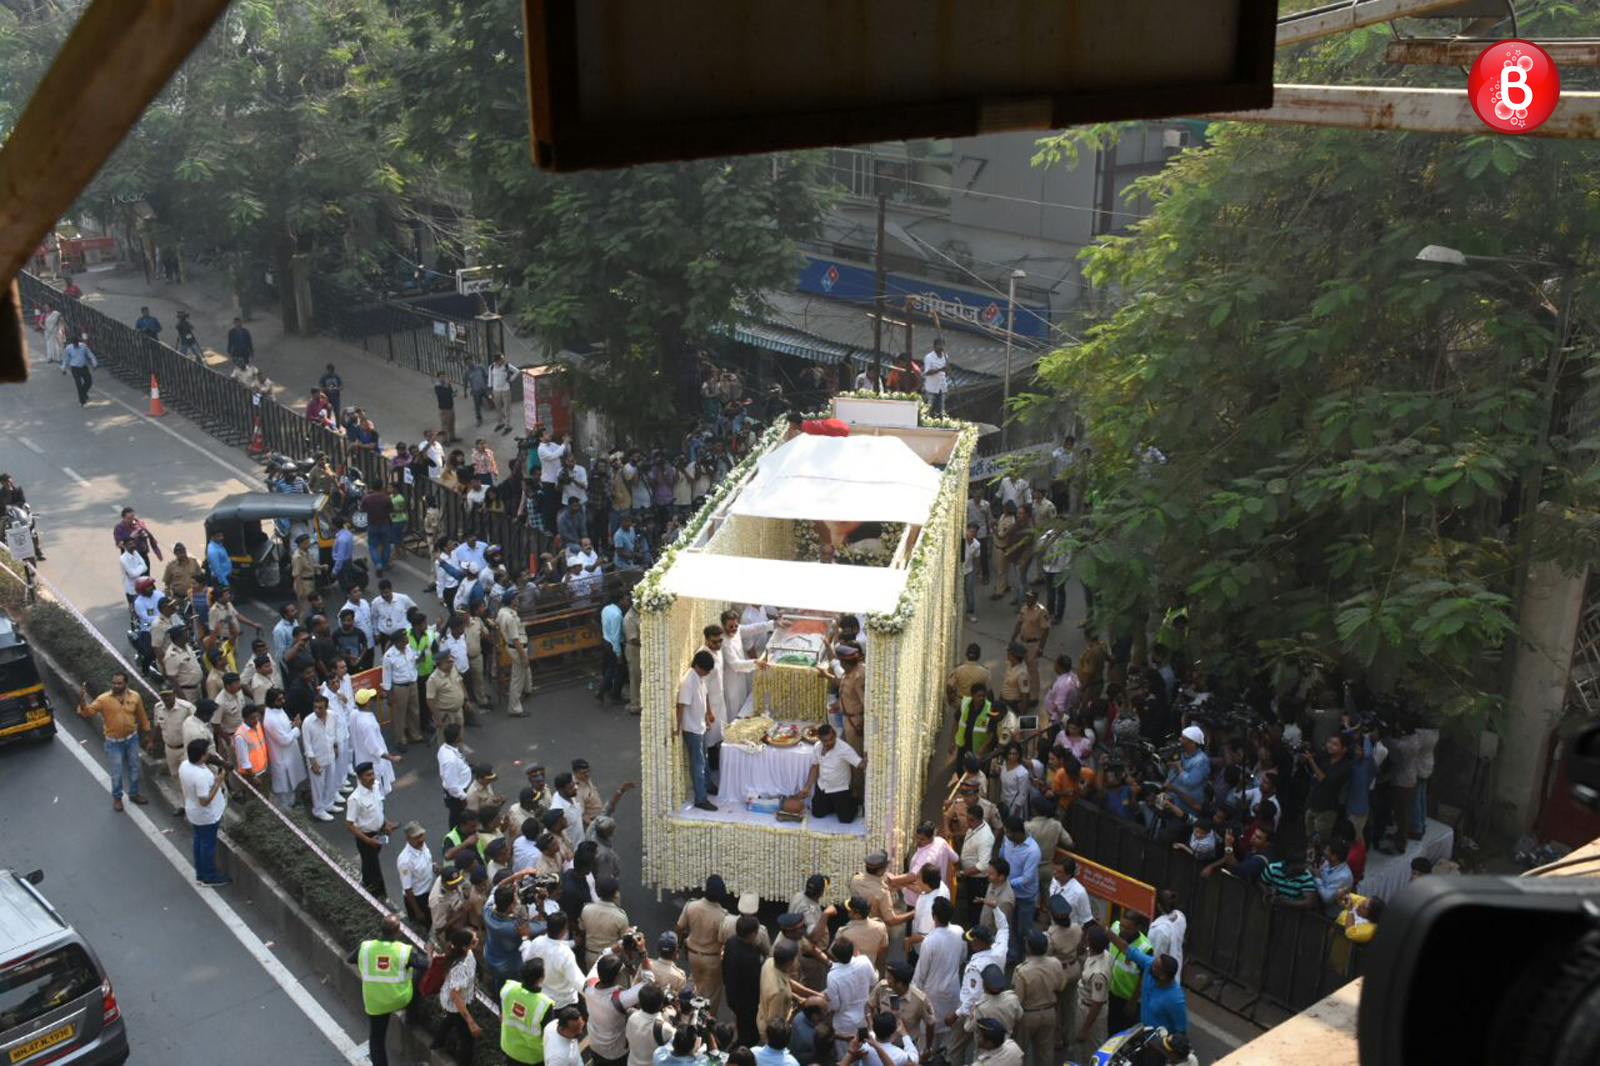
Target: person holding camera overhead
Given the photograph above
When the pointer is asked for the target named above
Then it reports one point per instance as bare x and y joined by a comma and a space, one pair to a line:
1330, 775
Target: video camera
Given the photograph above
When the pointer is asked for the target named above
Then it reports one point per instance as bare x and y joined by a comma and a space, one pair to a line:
533, 890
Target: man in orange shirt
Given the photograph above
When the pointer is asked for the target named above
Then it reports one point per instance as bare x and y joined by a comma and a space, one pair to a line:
123, 717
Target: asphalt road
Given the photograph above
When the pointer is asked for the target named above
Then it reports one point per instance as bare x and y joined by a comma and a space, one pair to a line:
80, 466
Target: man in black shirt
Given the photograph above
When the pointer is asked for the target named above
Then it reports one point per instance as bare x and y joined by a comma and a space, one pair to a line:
324, 649
302, 693
1330, 775
446, 394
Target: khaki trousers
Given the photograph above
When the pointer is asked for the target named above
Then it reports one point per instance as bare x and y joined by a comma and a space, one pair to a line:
447, 426
1097, 1036
405, 713
1066, 1014
479, 694
1034, 647
707, 973
517, 686
1037, 1035
502, 405
631, 654
443, 717
175, 758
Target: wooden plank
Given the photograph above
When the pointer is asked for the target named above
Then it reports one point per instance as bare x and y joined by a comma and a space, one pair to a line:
1464, 51
1576, 117
115, 61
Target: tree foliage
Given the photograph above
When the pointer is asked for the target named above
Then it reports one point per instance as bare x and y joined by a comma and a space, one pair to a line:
1345, 430
644, 263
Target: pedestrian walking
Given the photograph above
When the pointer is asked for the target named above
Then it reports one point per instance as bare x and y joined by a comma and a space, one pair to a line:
241, 346
389, 969
55, 335
455, 998
500, 386
188, 343
445, 394
148, 324
204, 799
332, 386
478, 388
365, 820
123, 719
80, 362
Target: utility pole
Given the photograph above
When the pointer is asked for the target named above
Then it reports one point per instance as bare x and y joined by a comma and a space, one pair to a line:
877, 303
1011, 329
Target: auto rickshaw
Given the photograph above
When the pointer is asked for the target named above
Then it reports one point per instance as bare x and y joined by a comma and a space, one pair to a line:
25, 712
259, 531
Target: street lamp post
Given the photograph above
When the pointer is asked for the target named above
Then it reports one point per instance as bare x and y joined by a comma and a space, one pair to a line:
1011, 328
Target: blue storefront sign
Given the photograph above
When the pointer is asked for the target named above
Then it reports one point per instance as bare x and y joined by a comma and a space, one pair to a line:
968, 309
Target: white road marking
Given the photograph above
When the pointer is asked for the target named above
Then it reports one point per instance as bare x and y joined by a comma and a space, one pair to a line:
1221, 1036
74, 475
32, 447
314, 1012
243, 475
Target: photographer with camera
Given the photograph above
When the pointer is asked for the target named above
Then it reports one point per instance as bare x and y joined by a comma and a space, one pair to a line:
609, 1004
1330, 776
563, 978
506, 926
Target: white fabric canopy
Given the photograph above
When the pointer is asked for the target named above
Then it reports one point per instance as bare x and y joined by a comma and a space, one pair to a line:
839, 479
777, 583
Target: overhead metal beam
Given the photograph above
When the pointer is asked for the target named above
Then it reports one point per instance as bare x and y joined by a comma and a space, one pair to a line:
1576, 117
1340, 18
1464, 51
115, 61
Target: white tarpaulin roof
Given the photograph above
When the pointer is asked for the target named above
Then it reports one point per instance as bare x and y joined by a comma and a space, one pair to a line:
831, 587
840, 479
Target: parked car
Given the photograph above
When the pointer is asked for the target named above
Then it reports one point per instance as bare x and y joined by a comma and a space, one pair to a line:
56, 1002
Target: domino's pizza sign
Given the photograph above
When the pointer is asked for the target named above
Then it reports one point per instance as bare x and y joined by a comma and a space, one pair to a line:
830, 278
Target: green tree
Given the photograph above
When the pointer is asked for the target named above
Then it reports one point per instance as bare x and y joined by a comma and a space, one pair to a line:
1344, 432
632, 268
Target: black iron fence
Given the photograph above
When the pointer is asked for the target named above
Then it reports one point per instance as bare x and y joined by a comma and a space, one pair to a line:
408, 336
235, 414
1241, 952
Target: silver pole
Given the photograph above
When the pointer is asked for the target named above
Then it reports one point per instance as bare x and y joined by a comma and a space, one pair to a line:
1011, 325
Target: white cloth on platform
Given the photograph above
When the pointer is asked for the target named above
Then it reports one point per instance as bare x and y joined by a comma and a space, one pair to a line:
283, 748
1386, 875
767, 771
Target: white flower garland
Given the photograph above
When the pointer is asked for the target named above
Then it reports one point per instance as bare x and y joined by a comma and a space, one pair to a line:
807, 549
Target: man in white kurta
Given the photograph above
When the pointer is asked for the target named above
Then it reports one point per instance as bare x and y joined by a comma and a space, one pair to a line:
715, 697
53, 336
283, 750
318, 734
737, 667
341, 696
751, 634
940, 958
367, 745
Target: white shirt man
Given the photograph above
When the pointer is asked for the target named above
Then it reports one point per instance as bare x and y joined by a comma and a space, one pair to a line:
389, 614
455, 774
499, 377
367, 745
933, 373
560, 1050
416, 869
364, 810
938, 973
692, 694
563, 978
578, 487
196, 780
363, 612
834, 765
1077, 898
469, 555
1013, 490
714, 695
573, 809
849, 985
976, 847
133, 568
550, 454
737, 668
1166, 935
399, 666
922, 919
283, 749
456, 648
972, 976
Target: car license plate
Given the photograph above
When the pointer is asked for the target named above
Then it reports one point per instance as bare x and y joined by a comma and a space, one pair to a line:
38, 714
40, 1043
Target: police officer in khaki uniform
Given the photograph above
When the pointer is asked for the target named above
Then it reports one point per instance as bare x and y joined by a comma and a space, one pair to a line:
1066, 947
1038, 981
447, 693
1031, 631
181, 664
170, 714
303, 568
700, 926
664, 967
230, 701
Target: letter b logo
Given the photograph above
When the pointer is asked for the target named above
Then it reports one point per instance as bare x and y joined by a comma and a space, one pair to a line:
1513, 87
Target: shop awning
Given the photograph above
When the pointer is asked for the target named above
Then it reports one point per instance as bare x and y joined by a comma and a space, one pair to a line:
835, 588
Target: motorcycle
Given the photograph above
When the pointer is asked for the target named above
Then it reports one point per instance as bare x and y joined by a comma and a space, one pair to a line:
1125, 1048
20, 514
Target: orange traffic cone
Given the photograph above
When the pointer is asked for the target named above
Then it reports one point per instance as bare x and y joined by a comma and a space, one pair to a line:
257, 444
156, 410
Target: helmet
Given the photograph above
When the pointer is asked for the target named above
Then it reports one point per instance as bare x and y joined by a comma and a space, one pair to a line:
144, 586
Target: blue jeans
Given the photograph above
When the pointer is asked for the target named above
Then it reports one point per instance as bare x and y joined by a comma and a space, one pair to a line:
695, 745
379, 545
1419, 806
120, 754
1021, 927
1018, 575
205, 852
968, 585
